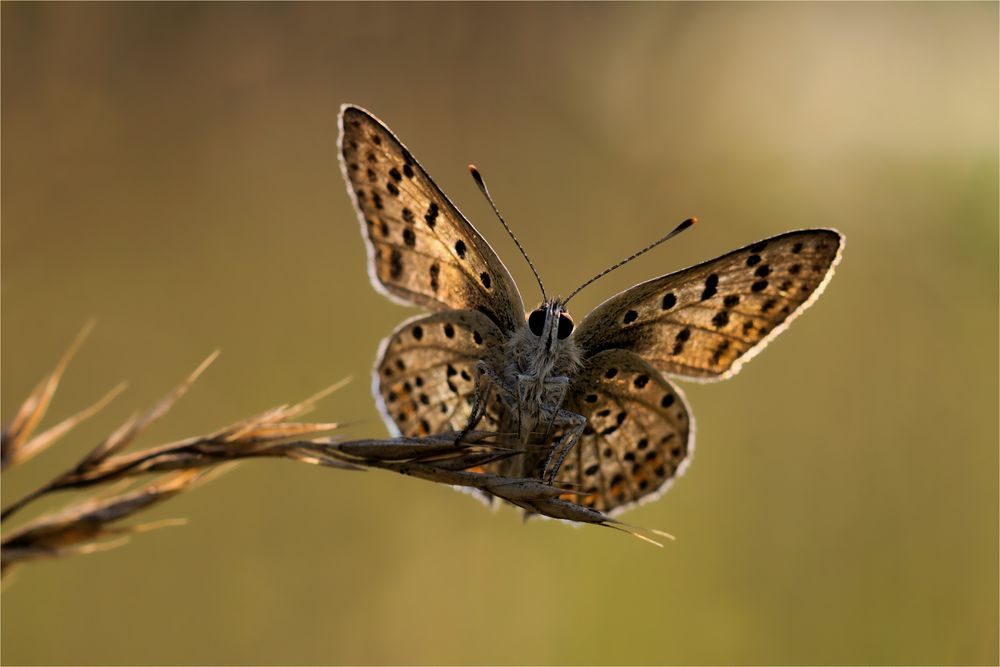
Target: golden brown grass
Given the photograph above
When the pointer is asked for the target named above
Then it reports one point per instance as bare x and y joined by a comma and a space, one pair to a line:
158, 473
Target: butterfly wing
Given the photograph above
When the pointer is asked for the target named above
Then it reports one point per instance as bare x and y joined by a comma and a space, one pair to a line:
424, 379
639, 433
421, 249
705, 321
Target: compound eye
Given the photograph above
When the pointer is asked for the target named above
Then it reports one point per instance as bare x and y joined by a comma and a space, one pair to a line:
536, 321
565, 326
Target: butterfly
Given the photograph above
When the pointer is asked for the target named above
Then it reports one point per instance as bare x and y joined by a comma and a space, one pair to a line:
590, 405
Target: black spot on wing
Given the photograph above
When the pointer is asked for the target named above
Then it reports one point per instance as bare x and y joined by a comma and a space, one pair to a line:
435, 272
431, 216
711, 286
682, 337
395, 264
720, 351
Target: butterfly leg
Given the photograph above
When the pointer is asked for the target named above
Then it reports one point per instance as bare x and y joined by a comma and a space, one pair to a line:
522, 385
576, 423
561, 385
484, 375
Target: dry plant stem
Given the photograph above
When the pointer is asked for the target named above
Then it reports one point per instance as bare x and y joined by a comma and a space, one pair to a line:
259, 436
436, 459
77, 529
16, 445
189, 454
85, 526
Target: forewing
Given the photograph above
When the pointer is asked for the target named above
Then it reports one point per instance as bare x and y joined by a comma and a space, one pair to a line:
424, 379
639, 433
421, 250
705, 321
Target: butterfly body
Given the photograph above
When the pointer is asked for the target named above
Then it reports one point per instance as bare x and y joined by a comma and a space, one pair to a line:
587, 405
541, 356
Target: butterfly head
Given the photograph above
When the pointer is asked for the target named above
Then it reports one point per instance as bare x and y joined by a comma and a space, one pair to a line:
544, 347
550, 323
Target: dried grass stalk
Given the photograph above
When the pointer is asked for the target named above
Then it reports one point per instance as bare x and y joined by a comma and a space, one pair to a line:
82, 528
438, 459
16, 445
85, 527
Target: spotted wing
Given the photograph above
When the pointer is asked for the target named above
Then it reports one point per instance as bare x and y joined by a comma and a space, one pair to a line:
424, 378
421, 249
639, 433
705, 321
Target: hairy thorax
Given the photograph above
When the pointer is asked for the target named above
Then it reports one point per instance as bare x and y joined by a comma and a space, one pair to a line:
541, 368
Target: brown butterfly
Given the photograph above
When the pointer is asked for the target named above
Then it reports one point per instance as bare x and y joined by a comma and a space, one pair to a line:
590, 406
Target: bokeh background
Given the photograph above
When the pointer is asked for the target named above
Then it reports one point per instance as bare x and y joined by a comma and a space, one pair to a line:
171, 170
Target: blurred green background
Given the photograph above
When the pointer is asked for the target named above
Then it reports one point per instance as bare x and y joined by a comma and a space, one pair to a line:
171, 170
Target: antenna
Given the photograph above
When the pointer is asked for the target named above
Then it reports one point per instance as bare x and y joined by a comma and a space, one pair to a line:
674, 232
478, 178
